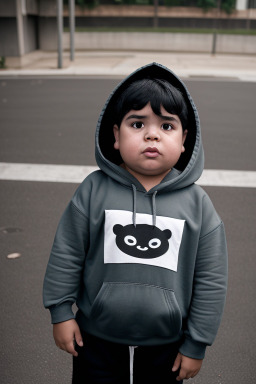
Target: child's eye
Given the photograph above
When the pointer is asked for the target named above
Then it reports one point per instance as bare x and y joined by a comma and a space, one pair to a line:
166, 127
137, 125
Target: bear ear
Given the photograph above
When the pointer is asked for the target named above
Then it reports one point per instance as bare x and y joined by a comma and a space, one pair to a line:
117, 228
167, 233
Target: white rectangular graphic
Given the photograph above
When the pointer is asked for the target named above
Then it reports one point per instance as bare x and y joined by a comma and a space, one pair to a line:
144, 244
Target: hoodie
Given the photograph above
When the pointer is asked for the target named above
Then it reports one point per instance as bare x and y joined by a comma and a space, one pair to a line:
143, 267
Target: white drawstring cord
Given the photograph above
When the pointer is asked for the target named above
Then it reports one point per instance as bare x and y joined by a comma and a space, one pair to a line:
131, 351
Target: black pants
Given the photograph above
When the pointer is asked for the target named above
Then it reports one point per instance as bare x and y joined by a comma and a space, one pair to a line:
103, 362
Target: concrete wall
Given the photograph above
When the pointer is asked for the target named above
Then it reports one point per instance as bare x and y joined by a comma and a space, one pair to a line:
10, 45
178, 42
32, 7
30, 37
8, 41
36, 28
7, 8
236, 44
48, 8
48, 34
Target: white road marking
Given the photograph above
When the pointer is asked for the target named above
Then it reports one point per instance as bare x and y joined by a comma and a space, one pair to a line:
77, 173
44, 172
13, 255
228, 178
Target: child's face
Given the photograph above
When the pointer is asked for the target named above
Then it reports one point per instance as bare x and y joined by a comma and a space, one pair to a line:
150, 145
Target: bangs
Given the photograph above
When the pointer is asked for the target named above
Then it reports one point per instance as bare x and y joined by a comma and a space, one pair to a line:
158, 93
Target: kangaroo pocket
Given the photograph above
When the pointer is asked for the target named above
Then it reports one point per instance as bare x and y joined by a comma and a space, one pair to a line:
131, 311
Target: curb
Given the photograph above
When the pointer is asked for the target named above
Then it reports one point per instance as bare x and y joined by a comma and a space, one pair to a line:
99, 72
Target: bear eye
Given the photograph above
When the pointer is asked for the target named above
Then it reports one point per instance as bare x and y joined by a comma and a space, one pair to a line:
154, 243
130, 240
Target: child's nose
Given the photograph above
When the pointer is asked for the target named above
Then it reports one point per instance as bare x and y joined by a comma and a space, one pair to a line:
152, 134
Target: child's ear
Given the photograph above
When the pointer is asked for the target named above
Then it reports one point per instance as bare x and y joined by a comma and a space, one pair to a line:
116, 134
183, 140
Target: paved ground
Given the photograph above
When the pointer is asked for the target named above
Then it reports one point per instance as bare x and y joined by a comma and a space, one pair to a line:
51, 121
122, 63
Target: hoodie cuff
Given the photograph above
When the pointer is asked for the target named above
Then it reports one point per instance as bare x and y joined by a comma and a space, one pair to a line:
62, 312
193, 349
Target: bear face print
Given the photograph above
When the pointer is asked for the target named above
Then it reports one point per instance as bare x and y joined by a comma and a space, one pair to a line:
143, 241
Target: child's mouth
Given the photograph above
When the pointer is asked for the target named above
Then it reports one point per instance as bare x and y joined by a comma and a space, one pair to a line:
151, 152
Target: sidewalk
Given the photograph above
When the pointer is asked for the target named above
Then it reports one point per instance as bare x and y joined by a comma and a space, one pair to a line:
121, 63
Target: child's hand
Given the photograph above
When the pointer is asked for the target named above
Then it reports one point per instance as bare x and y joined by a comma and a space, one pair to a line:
65, 334
188, 367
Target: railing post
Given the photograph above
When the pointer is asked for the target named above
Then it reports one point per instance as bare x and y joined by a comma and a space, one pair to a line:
72, 28
60, 30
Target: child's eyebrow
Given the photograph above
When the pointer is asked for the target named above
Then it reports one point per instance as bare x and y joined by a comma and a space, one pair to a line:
169, 118
136, 117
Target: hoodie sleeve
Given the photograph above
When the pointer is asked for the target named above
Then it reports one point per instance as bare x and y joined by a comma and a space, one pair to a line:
209, 287
65, 266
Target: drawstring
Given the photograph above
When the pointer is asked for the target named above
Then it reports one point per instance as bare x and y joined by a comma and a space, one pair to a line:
135, 206
154, 208
131, 352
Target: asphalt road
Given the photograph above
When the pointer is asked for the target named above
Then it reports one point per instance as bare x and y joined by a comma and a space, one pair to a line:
52, 121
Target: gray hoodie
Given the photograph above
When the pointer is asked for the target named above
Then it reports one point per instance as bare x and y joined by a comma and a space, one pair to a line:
144, 268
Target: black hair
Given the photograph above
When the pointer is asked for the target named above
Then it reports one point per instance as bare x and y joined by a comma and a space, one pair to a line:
158, 93
160, 88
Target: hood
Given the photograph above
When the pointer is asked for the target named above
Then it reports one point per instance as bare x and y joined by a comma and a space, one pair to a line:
191, 162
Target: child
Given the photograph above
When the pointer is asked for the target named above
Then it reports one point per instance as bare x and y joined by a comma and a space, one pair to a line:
140, 248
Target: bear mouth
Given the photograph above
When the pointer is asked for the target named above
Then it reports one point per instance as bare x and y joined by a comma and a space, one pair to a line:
142, 248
